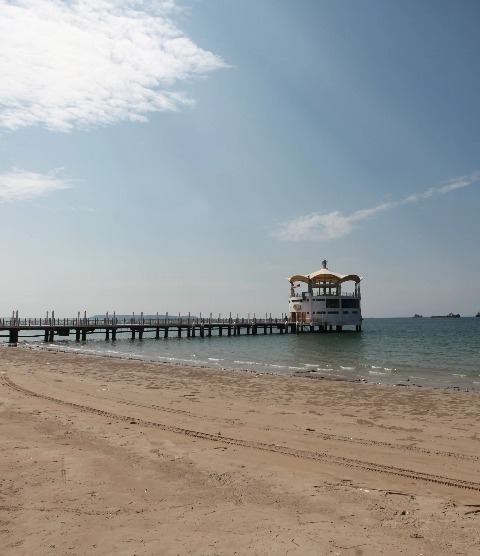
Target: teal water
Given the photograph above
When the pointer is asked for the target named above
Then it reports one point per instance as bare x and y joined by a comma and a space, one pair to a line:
423, 352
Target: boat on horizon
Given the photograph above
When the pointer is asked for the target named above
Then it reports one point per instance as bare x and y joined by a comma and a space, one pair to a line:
449, 316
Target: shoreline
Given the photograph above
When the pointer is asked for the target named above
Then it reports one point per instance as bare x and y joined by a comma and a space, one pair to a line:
309, 374
113, 456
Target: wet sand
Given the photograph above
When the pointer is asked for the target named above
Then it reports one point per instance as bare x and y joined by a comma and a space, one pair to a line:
107, 456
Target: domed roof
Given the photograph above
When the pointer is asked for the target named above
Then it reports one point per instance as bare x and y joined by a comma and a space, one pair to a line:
324, 275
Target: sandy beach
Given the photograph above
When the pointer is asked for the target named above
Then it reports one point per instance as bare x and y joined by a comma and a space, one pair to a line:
108, 456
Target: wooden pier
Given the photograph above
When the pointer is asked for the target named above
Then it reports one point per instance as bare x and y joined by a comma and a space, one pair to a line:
163, 327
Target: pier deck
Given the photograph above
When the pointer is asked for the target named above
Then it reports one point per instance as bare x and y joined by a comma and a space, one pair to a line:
16, 328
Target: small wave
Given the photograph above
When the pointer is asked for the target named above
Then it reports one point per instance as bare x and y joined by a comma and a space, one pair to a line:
379, 368
347, 368
182, 360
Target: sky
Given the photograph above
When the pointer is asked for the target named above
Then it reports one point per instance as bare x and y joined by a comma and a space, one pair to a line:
192, 155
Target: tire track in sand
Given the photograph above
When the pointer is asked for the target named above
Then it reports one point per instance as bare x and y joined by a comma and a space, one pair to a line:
272, 448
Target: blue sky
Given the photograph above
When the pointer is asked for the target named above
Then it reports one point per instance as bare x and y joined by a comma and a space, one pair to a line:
192, 155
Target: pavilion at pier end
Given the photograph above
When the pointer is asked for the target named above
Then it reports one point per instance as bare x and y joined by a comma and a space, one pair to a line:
325, 299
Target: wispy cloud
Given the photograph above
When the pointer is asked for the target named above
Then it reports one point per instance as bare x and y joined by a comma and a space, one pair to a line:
19, 185
334, 225
87, 63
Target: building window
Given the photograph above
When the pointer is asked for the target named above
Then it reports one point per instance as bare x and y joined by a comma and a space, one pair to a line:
333, 303
333, 312
351, 303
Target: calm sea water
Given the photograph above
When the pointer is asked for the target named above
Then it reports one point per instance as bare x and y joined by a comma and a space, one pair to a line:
422, 352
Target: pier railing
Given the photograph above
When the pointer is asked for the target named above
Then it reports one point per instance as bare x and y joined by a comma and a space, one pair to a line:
135, 320
191, 325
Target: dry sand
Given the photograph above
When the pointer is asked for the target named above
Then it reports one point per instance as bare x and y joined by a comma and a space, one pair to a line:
103, 456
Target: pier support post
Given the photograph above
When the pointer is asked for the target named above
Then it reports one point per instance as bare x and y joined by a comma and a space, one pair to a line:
45, 338
179, 331
157, 333
77, 334
84, 335
202, 331
229, 330
189, 331
165, 332
13, 337
140, 333
209, 331
193, 331
220, 331
107, 334
133, 333
114, 334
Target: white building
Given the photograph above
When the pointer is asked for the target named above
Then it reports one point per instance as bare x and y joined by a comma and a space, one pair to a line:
325, 299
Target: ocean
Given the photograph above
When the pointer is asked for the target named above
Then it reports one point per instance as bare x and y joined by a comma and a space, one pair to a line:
416, 352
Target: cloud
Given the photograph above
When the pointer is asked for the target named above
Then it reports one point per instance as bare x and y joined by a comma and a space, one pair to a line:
314, 227
19, 185
334, 225
87, 63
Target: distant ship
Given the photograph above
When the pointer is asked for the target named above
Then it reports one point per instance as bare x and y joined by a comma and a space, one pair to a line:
478, 314
415, 316
449, 316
